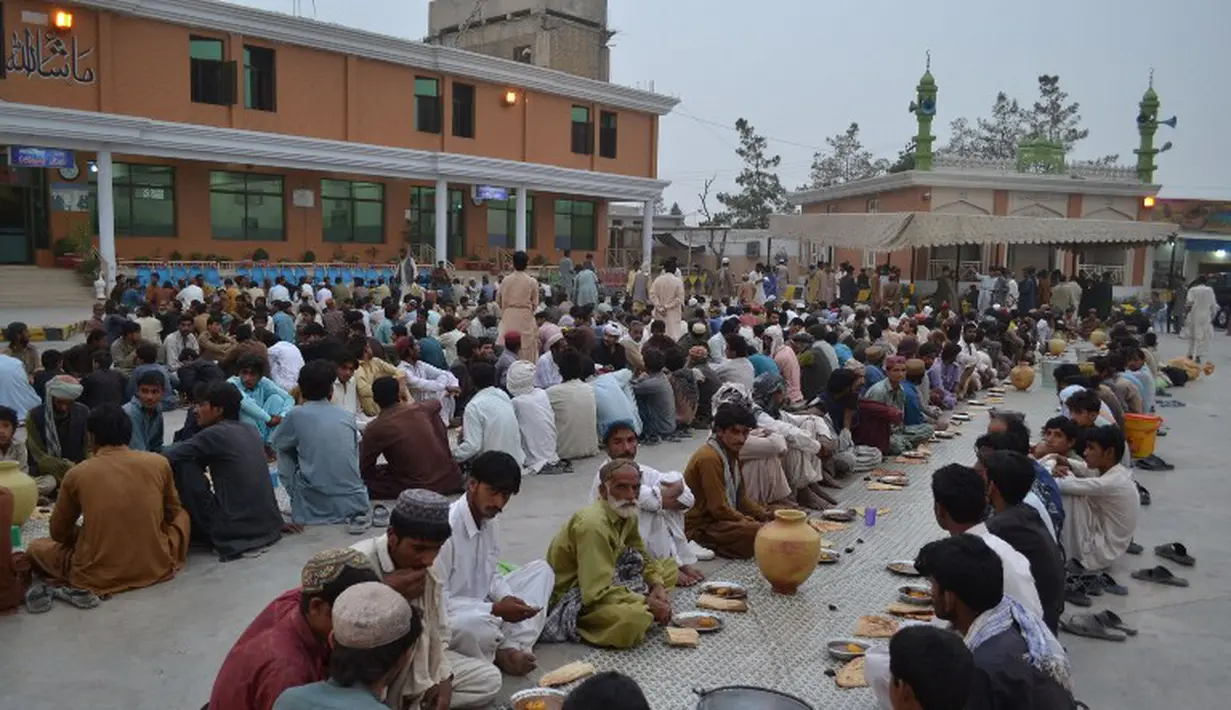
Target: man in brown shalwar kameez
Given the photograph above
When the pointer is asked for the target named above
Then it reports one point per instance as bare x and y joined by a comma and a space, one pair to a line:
412, 438
723, 517
134, 533
518, 298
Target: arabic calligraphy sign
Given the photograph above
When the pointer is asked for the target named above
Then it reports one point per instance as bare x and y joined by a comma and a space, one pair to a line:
49, 55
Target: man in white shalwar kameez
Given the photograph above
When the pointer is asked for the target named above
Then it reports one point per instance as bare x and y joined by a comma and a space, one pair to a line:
661, 504
535, 417
667, 296
493, 616
1100, 498
285, 362
346, 392
1200, 319
426, 381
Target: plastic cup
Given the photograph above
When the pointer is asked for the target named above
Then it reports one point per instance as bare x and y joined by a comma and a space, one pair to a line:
869, 516
15, 535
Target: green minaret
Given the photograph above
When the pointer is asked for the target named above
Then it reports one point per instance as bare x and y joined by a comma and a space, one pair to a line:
1147, 126
924, 108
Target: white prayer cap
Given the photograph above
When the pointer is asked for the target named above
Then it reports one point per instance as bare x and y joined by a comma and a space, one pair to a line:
370, 615
612, 329
692, 302
725, 260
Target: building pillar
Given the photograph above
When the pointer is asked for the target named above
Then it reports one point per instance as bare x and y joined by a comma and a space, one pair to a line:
1147, 273
106, 217
1130, 266
647, 231
1059, 263
522, 199
442, 220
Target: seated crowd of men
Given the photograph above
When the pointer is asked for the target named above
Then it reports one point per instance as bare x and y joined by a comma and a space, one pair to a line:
354, 402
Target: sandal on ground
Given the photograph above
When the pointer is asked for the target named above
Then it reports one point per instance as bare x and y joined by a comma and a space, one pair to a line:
1161, 575
80, 598
1143, 494
1146, 465
1176, 552
1111, 586
358, 524
1134, 548
1090, 626
38, 599
1077, 597
380, 515
1159, 463
1112, 620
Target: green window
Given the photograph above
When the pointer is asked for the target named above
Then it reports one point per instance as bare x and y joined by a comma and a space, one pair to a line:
353, 211
211, 78
247, 206
575, 228
259, 85
423, 219
502, 222
144, 200
428, 109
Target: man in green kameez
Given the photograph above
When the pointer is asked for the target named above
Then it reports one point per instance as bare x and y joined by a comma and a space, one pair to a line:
608, 590
890, 393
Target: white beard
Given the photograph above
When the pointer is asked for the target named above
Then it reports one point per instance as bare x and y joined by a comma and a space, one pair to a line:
624, 509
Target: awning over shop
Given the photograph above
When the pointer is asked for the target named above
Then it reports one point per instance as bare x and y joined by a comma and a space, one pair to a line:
904, 230
669, 240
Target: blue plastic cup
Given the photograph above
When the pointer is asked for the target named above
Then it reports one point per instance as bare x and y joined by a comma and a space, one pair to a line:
869, 516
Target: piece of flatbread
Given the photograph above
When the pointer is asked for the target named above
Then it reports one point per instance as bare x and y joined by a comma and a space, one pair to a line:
913, 611
824, 526
851, 675
878, 486
566, 674
876, 627
880, 512
710, 601
687, 638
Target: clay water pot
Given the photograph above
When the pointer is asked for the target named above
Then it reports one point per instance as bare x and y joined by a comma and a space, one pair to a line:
1099, 337
1022, 376
1209, 368
23, 488
786, 550
1057, 346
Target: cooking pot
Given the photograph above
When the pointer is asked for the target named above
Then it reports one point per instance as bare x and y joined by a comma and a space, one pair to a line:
747, 697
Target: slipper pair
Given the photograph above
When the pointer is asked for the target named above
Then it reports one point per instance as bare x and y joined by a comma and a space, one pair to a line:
1176, 552
1103, 625
40, 596
1161, 575
1153, 463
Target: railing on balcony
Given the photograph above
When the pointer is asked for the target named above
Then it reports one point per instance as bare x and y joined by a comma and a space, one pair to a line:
1116, 271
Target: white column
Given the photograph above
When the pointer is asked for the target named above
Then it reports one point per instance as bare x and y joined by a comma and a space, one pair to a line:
106, 217
1130, 265
522, 200
1059, 260
442, 220
647, 231
1147, 275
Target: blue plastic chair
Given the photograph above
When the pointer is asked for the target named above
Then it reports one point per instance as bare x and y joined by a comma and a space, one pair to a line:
178, 272
212, 277
143, 275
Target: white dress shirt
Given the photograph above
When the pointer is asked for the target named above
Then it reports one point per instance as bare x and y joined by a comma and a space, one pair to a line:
1018, 581
490, 424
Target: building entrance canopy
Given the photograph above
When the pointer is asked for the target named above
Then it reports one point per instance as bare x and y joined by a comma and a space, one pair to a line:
907, 230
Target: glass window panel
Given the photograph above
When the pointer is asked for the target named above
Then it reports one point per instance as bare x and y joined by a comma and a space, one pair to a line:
221, 180
264, 185
335, 188
426, 87
368, 190
202, 48
501, 224
152, 218
583, 208
369, 222
264, 217
581, 114
336, 219
226, 216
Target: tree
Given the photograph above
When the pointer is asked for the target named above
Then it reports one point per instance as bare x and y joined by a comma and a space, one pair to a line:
1053, 118
660, 206
761, 192
963, 141
845, 161
999, 135
675, 210
717, 248
906, 158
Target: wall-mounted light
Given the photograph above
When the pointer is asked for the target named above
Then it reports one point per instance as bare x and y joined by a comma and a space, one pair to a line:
62, 20
1221, 253
1148, 202
509, 98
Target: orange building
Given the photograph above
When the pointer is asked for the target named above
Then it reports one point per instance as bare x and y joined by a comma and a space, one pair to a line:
202, 127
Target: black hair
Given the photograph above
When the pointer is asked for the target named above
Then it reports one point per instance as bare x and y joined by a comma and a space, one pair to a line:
129, 327
570, 365
737, 345
418, 330
520, 260
316, 380
215, 318
658, 326
347, 578
8, 414
366, 666
840, 381
147, 353
950, 351
447, 324
498, 470
1065, 425
314, 329
466, 347
1013, 474
152, 378
960, 490
51, 359
1016, 435
385, 391
673, 358
607, 691
254, 363
109, 425
482, 375
1064, 372
655, 360
934, 663
730, 326
96, 335
188, 355
102, 359
928, 349
223, 395
1084, 401
731, 415
431, 531
1107, 436
965, 565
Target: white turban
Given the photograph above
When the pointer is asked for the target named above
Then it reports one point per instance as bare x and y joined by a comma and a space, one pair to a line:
520, 378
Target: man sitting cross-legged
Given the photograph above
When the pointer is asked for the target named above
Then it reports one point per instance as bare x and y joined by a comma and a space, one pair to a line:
56, 433
413, 441
145, 412
134, 533
723, 518
435, 678
1100, 500
494, 617
318, 453
929, 668
608, 591
264, 402
234, 510
661, 503
288, 643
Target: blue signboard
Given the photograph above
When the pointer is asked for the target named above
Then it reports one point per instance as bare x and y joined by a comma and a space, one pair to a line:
491, 192
25, 156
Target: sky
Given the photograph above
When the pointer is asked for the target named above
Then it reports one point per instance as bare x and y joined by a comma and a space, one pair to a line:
802, 70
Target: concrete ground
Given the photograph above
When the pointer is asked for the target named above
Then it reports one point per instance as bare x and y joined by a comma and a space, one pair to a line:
160, 647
